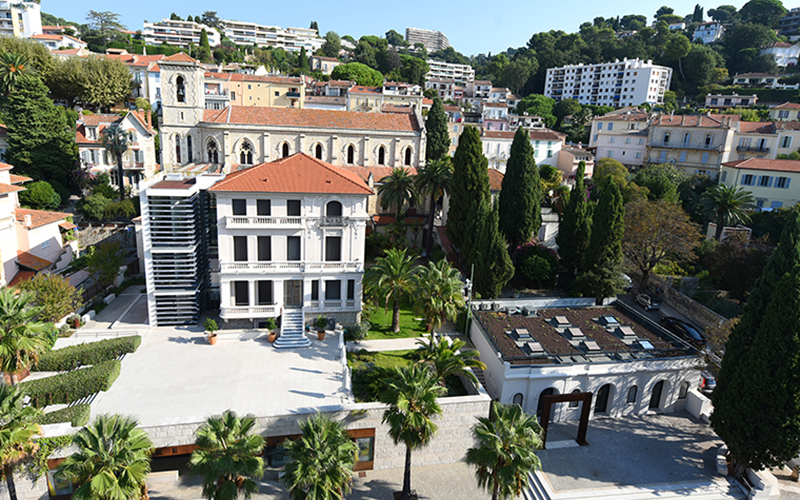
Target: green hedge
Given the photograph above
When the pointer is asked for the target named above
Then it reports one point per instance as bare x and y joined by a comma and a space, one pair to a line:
91, 353
764, 95
77, 415
69, 387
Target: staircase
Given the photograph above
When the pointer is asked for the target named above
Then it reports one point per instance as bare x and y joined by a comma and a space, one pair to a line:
292, 334
479, 374
719, 489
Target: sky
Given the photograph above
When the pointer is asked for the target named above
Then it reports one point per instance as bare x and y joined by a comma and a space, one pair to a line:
472, 26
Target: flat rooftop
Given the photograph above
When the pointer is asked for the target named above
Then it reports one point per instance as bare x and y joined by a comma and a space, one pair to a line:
176, 377
631, 451
576, 335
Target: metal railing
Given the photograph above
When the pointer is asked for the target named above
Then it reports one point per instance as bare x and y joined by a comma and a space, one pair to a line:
332, 221
243, 220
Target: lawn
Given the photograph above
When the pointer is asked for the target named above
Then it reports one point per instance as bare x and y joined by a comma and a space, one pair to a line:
371, 370
381, 324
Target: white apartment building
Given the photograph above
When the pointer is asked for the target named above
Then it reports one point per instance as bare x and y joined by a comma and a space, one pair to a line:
20, 19
708, 32
462, 74
291, 241
785, 54
621, 135
59, 42
291, 39
178, 33
629, 82
432, 40
546, 146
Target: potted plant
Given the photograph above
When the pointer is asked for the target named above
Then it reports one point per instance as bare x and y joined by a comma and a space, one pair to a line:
321, 323
211, 328
271, 326
75, 321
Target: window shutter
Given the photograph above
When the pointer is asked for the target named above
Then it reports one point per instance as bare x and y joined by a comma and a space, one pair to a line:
788, 180
771, 179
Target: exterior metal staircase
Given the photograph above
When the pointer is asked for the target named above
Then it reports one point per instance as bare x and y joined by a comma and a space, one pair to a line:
292, 334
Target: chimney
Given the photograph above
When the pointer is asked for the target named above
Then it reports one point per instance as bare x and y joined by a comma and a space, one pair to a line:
149, 120
28, 220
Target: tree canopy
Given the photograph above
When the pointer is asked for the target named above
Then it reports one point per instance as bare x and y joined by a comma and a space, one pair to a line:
359, 73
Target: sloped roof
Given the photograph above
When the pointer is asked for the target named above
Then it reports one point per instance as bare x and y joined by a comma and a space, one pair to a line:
19, 179
8, 188
709, 120
495, 180
180, 57
765, 164
39, 218
756, 127
378, 173
787, 105
313, 118
299, 173
22, 275
26, 259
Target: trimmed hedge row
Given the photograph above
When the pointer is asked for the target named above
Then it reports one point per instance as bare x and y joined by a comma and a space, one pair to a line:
72, 386
91, 353
77, 415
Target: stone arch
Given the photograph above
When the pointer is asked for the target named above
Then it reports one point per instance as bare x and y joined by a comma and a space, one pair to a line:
407, 156
245, 152
180, 88
177, 139
212, 150
604, 399
540, 403
319, 151
285, 150
381, 155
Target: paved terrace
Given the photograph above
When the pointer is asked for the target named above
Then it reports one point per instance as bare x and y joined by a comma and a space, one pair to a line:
177, 377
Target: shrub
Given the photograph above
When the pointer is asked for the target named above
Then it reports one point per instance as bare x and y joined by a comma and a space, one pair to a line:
437, 253
210, 325
62, 191
40, 196
537, 264
102, 186
63, 331
92, 353
54, 295
122, 208
72, 386
94, 206
357, 332
376, 245
77, 416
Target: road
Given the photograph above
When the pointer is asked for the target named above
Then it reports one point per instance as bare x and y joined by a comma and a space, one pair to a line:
666, 310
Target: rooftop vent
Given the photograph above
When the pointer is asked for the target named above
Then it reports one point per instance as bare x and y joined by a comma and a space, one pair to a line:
625, 333
535, 347
591, 346
522, 333
528, 311
561, 321
608, 320
574, 333
645, 344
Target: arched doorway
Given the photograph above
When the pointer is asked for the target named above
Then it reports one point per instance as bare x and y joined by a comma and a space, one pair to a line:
517, 400
318, 152
540, 405
285, 150
655, 398
381, 155
351, 153
333, 209
601, 402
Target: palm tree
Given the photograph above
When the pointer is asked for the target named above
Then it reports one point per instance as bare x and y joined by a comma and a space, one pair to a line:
13, 67
505, 453
397, 190
17, 429
434, 181
390, 279
116, 140
411, 396
439, 293
447, 359
112, 462
23, 338
727, 205
227, 457
321, 461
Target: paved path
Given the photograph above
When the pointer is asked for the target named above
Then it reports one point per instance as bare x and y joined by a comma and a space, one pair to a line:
392, 344
115, 309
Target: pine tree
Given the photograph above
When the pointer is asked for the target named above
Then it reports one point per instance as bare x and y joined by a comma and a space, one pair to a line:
493, 266
41, 141
470, 186
302, 61
438, 137
728, 419
521, 193
574, 230
602, 262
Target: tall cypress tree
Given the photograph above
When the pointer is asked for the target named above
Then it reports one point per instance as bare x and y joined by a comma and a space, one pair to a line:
493, 266
521, 193
469, 187
602, 262
204, 39
41, 140
438, 137
731, 411
574, 229
302, 61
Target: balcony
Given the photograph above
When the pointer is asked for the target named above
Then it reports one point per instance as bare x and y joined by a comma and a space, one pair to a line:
319, 305
246, 222
686, 145
293, 95
235, 312
333, 221
264, 267
752, 149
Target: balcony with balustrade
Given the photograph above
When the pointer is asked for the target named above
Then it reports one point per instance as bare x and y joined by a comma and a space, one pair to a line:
263, 222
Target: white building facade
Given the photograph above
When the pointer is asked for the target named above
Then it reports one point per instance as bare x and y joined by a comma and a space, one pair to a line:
178, 33
461, 74
20, 19
621, 135
431, 39
546, 146
629, 82
291, 39
708, 32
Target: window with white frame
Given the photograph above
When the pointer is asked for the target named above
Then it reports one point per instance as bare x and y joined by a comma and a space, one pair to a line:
782, 182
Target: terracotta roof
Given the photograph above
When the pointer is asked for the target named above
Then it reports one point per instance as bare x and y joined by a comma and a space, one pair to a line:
323, 58
715, 121
359, 89
632, 117
18, 179
5, 166
339, 83
451, 108
39, 218
778, 45
787, 125
756, 127
313, 118
299, 173
482, 82
8, 188
765, 164
22, 275
788, 105
576, 151
495, 180
325, 99
181, 184
378, 173
26, 259
427, 102
396, 108
495, 105
240, 77
66, 225
67, 52
180, 57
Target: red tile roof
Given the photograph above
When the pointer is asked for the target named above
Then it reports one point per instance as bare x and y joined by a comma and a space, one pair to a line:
788, 105
756, 127
495, 105
495, 180
240, 77
181, 184
31, 261
396, 108
66, 225
18, 179
360, 89
313, 118
299, 173
5, 166
378, 173
8, 188
787, 125
39, 218
21, 276
180, 57
716, 121
765, 164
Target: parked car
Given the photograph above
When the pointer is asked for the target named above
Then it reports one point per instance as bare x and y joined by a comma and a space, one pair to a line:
648, 301
707, 383
683, 329
627, 282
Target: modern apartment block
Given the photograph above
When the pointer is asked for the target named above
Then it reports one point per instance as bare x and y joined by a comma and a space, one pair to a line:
629, 82
20, 19
461, 74
180, 246
432, 40
178, 33
291, 39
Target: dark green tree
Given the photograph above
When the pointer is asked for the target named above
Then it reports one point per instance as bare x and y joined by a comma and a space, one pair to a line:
697, 15
438, 140
332, 45
359, 73
493, 266
603, 260
41, 141
521, 193
469, 187
766, 12
204, 39
723, 13
314, 26
565, 108
574, 229
302, 61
